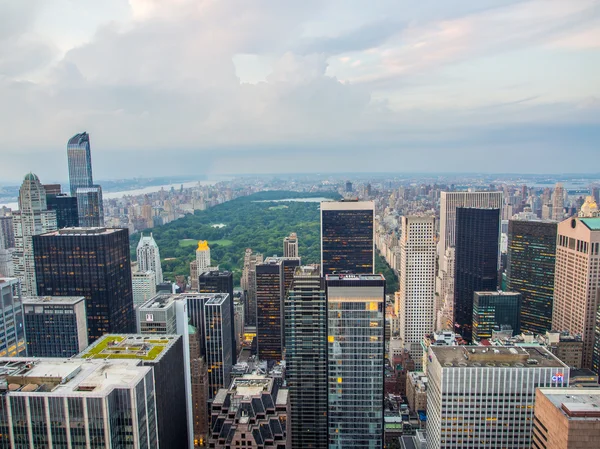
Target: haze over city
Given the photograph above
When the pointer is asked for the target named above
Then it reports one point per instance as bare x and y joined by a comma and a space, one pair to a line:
186, 87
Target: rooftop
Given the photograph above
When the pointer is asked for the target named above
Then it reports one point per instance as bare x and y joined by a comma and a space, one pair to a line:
52, 300
575, 403
81, 231
130, 346
354, 277
77, 139
592, 223
498, 293
497, 356
214, 273
158, 302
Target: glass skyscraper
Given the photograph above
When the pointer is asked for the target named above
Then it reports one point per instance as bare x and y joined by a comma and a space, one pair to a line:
347, 237
476, 269
531, 261
492, 309
80, 162
306, 358
12, 341
218, 323
67, 214
355, 360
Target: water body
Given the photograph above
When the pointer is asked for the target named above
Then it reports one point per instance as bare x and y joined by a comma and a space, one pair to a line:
296, 200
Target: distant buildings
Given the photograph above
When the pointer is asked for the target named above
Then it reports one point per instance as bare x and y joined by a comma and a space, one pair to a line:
290, 245
252, 412
416, 311
32, 218
355, 358
55, 326
485, 397
566, 418
306, 358
531, 260
75, 403
148, 257
144, 286
558, 202
347, 237
248, 284
89, 262
12, 343
476, 269
495, 310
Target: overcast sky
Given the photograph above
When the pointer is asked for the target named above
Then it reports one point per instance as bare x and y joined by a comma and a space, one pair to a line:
222, 86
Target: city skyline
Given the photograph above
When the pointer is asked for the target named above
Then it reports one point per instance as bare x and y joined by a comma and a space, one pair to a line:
454, 82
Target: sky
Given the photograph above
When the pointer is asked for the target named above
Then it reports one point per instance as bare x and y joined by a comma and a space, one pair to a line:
168, 87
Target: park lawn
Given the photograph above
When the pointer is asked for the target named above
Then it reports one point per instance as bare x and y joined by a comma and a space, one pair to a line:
185, 243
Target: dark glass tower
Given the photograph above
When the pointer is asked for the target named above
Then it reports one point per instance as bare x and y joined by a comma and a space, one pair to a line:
347, 243
218, 323
220, 282
531, 260
306, 358
272, 277
80, 162
495, 309
66, 210
94, 263
476, 266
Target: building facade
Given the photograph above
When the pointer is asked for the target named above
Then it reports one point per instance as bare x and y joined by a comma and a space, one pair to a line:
89, 262
290, 245
248, 284
218, 323
476, 266
577, 281
148, 257
531, 260
495, 310
79, 158
12, 331
347, 237
480, 397
143, 286
355, 359
55, 326
416, 308
306, 358
65, 206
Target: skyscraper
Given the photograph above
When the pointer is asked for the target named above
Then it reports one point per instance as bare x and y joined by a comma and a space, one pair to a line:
218, 323
576, 281
416, 312
476, 269
7, 233
493, 310
215, 281
248, 284
32, 218
531, 260
12, 343
355, 357
67, 214
143, 286
203, 255
480, 397
347, 237
558, 202
290, 245
89, 262
80, 162
55, 326
306, 358
90, 207
148, 257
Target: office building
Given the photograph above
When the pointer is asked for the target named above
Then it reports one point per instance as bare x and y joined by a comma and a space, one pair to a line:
199, 389
531, 260
253, 412
80, 162
75, 403
148, 257
165, 355
576, 281
6, 263
484, 397
89, 262
416, 391
90, 207
203, 255
65, 206
348, 187
568, 348
32, 218
7, 233
12, 343
566, 418
306, 358
144, 286
347, 237
158, 315
290, 245
495, 310
215, 281
476, 265
248, 284
558, 202
273, 280
416, 308
218, 323
355, 359
55, 326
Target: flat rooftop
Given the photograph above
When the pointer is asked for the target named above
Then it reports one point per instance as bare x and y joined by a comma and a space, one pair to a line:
575, 403
354, 277
495, 356
52, 300
158, 302
130, 346
81, 231
251, 385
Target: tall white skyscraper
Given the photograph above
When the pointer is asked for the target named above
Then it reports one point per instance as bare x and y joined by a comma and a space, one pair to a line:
558, 202
33, 218
449, 202
148, 257
290, 245
144, 286
203, 256
416, 312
